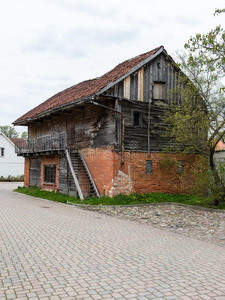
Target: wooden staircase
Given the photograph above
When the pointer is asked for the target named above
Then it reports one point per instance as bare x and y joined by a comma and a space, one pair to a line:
82, 177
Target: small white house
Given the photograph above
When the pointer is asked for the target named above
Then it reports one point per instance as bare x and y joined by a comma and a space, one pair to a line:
10, 163
219, 155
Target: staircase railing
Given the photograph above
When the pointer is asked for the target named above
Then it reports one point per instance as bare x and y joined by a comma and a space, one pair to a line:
74, 175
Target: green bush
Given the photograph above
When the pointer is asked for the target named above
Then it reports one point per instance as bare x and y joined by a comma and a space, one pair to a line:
167, 164
19, 178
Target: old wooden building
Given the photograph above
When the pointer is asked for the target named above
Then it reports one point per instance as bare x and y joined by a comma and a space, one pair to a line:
103, 136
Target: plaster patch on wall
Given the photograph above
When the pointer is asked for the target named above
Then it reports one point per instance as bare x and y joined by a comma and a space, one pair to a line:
122, 184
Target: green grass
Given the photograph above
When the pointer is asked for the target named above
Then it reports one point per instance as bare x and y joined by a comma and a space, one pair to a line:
36, 192
122, 199
221, 206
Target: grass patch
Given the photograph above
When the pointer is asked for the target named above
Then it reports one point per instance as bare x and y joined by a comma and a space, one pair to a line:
123, 199
36, 192
221, 206
147, 198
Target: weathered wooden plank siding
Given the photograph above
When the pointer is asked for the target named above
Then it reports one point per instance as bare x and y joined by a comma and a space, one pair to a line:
95, 127
151, 83
147, 88
48, 126
127, 82
139, 86
91, 126
86, 126
134, 86
63, 176
136, 138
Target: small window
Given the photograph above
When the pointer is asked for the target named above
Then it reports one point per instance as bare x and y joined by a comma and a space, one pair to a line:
179, 167
148, 166
136, 119
2, 152
50, 174
159, 91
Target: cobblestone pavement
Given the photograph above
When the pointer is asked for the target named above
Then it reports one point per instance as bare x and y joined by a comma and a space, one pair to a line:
55, 251
10, 186
202, 224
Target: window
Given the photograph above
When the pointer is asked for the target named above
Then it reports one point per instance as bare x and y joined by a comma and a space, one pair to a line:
62, 140
50, 174
159, 91
2, 152
136, 119
148, 166
179, 167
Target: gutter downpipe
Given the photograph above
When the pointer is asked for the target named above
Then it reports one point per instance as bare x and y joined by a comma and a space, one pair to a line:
123, 124
149, 115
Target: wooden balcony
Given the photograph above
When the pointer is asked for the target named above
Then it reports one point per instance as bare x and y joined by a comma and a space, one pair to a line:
47, 144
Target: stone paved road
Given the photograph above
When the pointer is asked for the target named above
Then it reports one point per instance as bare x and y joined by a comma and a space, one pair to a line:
54, 251
196, 222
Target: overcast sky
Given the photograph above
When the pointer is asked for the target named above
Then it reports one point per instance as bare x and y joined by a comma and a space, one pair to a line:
49, 45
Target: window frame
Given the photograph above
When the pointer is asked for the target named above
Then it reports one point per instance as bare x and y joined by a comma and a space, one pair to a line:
159, 94
50, 174
148, 167
139, 118
179, 166
2, 152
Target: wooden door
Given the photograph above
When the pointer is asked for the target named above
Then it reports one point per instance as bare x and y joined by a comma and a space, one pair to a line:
35, 172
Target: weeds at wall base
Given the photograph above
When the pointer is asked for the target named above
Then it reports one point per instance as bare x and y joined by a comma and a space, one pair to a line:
132, 199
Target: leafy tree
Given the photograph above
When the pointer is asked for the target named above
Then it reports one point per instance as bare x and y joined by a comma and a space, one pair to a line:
24, 135
198, 121
9, 131
209, 49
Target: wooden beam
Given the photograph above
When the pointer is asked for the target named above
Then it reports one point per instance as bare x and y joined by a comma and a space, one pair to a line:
140, 84
127, 87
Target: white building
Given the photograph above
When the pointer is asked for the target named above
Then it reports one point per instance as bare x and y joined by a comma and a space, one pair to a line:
10, 163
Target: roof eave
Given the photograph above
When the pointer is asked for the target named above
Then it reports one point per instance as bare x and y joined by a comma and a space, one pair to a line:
1, 133
46, 113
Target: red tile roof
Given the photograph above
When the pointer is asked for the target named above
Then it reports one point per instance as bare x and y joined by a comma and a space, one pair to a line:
14, 140
220, 146
86, 88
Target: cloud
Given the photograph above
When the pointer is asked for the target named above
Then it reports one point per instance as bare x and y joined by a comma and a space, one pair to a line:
97, 8
188, 20
104, 36
79, 42
49, 45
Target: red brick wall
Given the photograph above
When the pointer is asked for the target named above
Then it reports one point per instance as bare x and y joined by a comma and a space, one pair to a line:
160, 180
27, 172
100, 163
112, 177
50, 160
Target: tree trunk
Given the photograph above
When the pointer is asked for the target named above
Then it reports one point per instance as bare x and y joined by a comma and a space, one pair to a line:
218, 181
